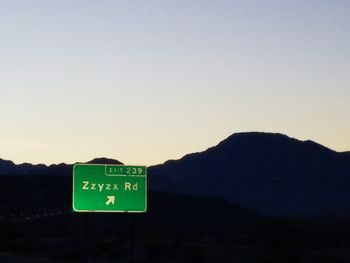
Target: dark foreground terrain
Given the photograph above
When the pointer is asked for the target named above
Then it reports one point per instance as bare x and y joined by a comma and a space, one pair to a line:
37, 225
255, 197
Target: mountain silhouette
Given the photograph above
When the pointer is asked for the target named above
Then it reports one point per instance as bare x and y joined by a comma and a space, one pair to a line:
211, 214
271, 173
10, 168
104, 160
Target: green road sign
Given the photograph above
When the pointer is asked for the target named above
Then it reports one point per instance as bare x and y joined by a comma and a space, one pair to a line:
109, 188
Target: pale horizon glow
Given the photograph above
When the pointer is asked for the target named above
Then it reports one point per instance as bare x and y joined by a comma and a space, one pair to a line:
144, 82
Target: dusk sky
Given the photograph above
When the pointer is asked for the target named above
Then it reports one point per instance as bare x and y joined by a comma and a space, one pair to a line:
148, 81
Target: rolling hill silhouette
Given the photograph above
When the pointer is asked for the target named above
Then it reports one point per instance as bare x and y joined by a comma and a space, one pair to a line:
271, 173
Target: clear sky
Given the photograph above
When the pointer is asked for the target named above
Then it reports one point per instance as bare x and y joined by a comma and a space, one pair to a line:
147, 81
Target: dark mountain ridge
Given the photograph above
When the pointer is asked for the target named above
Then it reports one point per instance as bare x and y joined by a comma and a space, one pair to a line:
10, 168
271, 173
268, 172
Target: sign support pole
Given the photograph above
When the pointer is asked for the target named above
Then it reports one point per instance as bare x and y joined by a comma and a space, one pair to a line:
132, 238
85, 232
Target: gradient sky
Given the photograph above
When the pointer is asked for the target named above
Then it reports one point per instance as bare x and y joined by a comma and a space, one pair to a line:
147, 81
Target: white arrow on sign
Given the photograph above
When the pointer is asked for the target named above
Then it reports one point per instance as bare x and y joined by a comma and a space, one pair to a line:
110, 200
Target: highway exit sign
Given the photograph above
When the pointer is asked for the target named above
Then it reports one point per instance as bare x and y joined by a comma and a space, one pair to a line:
109, 188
